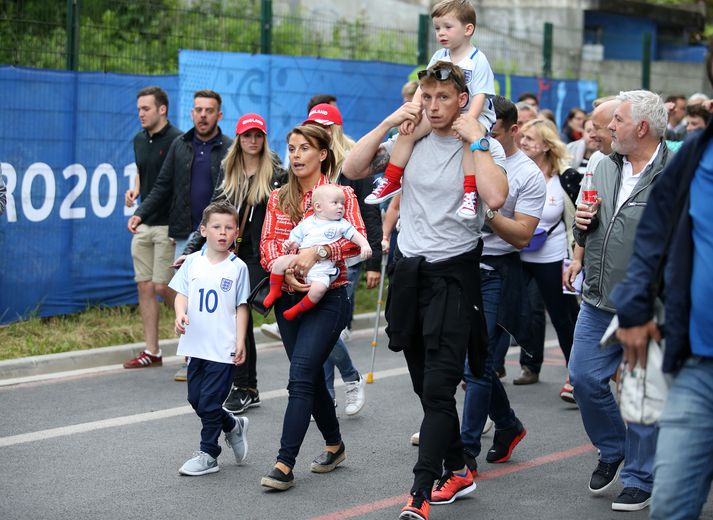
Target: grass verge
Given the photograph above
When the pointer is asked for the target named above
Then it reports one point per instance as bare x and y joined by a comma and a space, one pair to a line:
107, 326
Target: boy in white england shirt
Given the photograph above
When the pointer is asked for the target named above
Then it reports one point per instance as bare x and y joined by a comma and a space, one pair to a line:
212, 289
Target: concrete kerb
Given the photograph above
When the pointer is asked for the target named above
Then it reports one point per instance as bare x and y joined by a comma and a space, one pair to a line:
99, 357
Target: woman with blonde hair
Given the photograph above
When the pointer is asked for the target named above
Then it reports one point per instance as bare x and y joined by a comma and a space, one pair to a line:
308, 340
249, 172
542, 259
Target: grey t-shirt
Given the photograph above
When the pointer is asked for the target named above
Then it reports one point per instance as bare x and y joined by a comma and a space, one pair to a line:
526, 195
432, 193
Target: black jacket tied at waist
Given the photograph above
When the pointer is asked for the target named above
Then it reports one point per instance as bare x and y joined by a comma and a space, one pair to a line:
455, 305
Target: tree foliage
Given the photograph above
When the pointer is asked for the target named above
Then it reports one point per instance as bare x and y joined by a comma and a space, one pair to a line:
140, 36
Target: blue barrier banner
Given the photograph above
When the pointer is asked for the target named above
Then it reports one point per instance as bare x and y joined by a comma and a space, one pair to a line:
67, 158
279, 88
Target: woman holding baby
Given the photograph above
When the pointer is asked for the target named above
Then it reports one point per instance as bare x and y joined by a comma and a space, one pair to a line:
311, 334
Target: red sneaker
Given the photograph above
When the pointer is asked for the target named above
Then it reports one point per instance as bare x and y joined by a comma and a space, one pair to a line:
452, 486
415, 509
144, 360
469, 207
385, 189
567, 393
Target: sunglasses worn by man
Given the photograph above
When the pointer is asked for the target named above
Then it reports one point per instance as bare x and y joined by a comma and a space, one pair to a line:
442, 74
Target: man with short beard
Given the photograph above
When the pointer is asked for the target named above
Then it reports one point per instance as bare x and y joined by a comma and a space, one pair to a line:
606, 229
186, 183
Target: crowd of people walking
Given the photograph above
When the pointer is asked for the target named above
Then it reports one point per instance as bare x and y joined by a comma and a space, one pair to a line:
503, 219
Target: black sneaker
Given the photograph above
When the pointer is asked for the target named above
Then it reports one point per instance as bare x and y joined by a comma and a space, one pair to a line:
604, 476
238, 400
327, 460
276, 479
504, 441
631, 499
254, 397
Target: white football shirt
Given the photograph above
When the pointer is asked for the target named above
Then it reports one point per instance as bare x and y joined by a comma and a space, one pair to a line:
214, 292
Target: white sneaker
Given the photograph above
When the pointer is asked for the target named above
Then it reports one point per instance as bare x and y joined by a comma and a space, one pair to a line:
415, 438
346, 334
469, 207
237, 439
200, 464
271, 330
354, 396
488, 425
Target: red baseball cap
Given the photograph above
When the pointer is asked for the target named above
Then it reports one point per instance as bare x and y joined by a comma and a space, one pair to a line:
250, 121
324, 114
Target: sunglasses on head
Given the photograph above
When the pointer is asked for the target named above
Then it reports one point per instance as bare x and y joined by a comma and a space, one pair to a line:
442, 75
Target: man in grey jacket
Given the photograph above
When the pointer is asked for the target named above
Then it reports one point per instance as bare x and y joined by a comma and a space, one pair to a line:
606, 231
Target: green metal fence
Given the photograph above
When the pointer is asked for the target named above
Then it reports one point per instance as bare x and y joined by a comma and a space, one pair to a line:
144, 36
141, 36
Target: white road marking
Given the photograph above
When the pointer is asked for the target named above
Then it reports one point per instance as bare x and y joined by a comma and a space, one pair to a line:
126, 420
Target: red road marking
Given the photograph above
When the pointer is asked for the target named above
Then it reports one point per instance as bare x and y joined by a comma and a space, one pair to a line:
386, 503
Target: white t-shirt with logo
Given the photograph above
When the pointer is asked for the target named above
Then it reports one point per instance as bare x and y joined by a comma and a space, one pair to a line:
479, 79
313, 231
214, 292
526, 195
555, 248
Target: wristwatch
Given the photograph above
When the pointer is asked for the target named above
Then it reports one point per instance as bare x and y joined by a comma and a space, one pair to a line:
322, 252
490, 214
481, 144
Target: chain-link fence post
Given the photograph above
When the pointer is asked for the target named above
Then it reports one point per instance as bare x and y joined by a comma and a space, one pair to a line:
646, 62
266, 27
547, 50
72, 48
424, 27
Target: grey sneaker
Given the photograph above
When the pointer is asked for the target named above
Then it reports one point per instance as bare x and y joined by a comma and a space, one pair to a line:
200, 464
354, 396
182, 374
237, 439
271, 330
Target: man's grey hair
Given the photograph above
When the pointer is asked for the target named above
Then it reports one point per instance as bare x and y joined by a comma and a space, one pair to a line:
697, 98
524, 105
646, 106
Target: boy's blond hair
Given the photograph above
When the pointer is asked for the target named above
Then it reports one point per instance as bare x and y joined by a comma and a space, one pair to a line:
463, 10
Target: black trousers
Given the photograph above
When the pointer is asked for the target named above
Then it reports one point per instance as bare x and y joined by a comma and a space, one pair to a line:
435, 375
245, 375
562, 308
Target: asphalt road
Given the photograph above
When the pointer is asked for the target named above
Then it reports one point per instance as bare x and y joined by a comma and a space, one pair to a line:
109, 445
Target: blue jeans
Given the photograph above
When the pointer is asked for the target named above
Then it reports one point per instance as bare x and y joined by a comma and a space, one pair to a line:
590, 369
684, 454
208, 386
353, 274
486, 396
308, 341
339, 356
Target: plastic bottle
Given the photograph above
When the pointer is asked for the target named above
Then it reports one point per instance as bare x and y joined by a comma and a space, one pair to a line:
589, 194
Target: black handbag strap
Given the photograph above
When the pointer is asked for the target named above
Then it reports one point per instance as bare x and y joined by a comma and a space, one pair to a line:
549, 231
